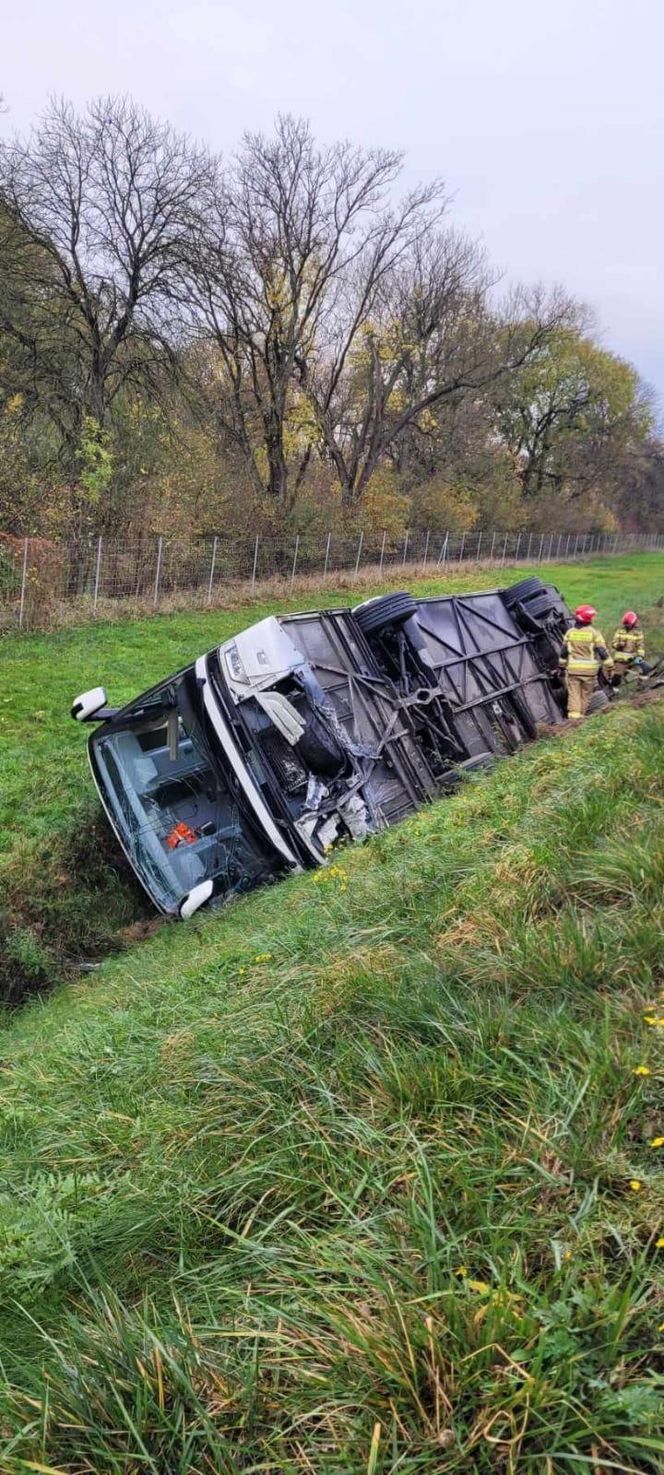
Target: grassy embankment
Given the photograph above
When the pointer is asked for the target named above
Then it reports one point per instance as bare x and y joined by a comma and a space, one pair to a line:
360, 1175
66, 894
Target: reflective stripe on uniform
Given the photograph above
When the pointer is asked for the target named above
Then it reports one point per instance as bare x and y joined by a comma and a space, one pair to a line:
627, 644
580, 644
579, 692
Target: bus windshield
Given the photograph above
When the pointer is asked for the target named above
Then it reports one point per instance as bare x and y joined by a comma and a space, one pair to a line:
171, 802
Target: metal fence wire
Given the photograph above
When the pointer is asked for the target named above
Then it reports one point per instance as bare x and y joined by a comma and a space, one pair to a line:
44, 583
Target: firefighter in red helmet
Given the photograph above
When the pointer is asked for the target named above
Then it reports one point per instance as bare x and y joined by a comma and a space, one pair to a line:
582, 655
628, 647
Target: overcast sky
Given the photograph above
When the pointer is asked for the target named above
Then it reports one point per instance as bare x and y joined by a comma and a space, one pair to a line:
544, 117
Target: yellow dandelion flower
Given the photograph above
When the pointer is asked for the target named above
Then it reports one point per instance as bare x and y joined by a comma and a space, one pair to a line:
635, 1185
642, 1070
659, 1243
650, 1019
461, 1270
480, 1286
657, 1142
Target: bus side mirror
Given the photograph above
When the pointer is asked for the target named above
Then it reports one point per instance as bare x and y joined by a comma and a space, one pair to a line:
195, 898
89, 704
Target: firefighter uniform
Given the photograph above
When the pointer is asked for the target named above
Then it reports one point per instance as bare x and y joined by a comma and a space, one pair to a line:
628, 646
582, 655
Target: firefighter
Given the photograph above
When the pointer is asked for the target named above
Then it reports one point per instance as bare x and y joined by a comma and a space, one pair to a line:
582, 655
628, 647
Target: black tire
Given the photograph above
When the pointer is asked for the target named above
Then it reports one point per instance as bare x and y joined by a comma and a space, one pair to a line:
598, 701
319, 750
388, 610
544, 614
543, 605
523, 590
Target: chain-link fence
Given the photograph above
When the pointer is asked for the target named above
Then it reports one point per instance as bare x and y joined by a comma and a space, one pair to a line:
45, 583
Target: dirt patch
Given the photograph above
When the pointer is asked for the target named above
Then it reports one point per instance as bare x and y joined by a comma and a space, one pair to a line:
639, 699
68, 900
138, 931
555, 729
645, 698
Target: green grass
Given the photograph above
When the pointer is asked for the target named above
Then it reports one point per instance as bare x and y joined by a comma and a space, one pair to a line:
67, 894
338, 1180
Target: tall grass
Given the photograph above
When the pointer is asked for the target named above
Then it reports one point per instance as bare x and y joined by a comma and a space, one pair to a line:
357, 1176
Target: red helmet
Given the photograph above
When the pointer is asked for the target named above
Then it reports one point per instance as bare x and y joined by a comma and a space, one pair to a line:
585, 613
629, 619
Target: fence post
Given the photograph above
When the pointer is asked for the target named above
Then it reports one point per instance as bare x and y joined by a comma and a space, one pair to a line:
253, 571
24, 575
297, 544
382, 552
359, 554
479, 545
212, 564
442, 556
518, 545
426, 550
97, 574
560, 539
539, 556
405, 547
463, 544
502, 561
493, 544
530, 544
327, 555
160, 547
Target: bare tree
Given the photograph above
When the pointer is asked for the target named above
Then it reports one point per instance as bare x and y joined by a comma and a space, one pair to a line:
99, 210
292, 223
413, 338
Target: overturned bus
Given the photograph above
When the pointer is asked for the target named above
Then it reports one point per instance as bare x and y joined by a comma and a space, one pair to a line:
308, 730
